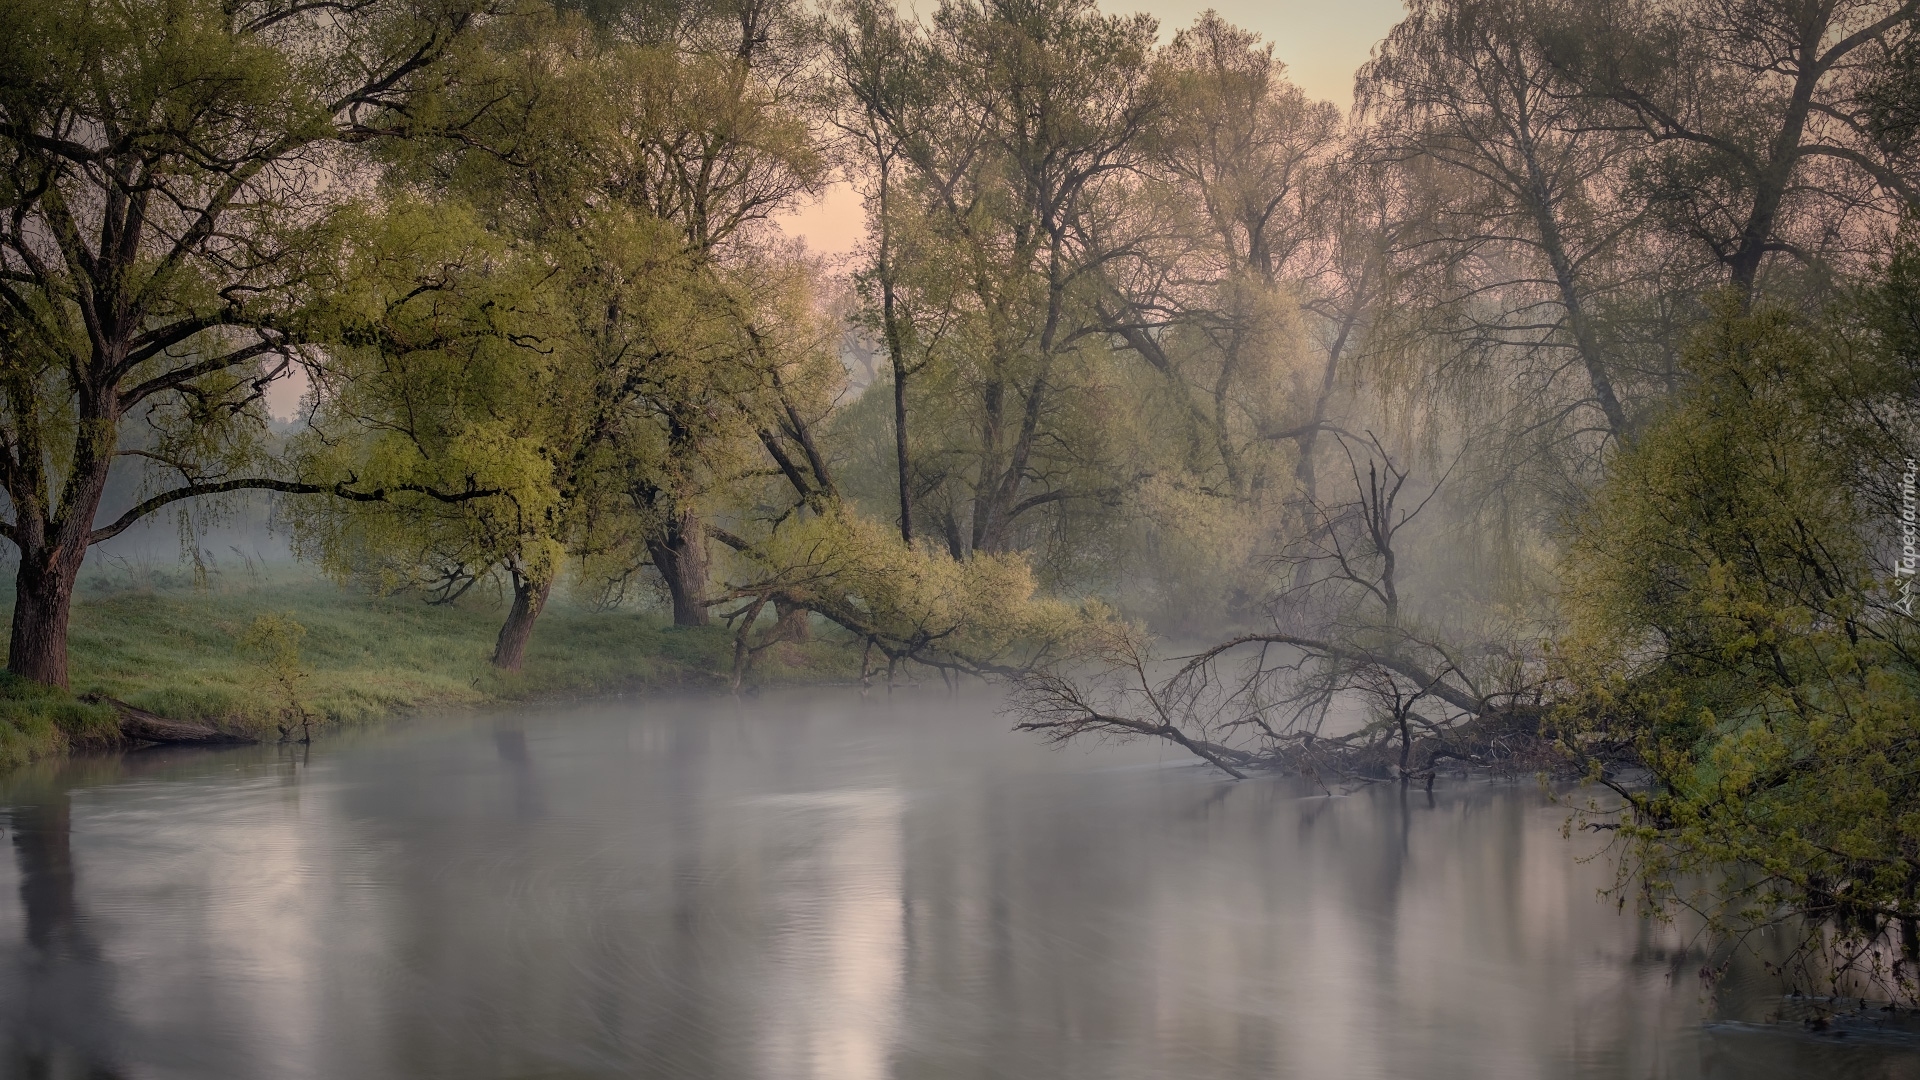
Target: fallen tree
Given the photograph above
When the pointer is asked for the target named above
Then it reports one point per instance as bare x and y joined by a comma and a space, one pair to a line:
140, 726
1288, 702
1345, 682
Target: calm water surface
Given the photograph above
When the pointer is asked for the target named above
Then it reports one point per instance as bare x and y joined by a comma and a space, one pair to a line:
816, 886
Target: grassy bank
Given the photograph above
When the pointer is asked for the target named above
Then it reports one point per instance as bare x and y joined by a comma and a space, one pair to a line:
173, 647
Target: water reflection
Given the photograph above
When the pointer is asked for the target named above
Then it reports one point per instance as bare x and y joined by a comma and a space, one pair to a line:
43, 844
815, 887
60, 982
834, 943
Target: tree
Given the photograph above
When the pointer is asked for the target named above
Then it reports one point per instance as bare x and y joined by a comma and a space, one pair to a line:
1763, 120
1254, 297
873, 57
165, 215
1528, 228
617, 180
1035, 110
1742, 629
1236, 171
444, 371
1346, 634
724, 147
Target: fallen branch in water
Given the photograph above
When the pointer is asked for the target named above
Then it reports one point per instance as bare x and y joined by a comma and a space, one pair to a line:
1348, 681
1262, 702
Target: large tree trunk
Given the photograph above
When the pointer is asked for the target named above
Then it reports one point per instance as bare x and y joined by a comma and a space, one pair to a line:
52, 547
42, 605
681, 557
792, 623
529, 597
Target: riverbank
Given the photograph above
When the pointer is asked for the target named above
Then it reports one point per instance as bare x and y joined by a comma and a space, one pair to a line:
172, 646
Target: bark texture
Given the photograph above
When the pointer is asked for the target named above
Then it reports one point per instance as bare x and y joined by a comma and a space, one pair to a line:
43, 604
529, 599
680, 554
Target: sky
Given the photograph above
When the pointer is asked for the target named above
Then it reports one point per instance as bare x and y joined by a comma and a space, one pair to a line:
1322, 42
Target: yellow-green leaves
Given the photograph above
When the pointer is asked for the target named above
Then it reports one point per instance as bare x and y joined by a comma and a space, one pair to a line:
441, 382
271, 646
1731, 622
982, 614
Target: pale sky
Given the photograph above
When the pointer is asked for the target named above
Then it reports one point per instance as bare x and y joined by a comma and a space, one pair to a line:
1322, 42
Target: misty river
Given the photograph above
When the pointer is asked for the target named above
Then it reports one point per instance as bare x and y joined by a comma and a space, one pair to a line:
812, 885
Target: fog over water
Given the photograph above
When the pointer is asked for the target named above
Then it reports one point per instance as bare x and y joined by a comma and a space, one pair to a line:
812, 885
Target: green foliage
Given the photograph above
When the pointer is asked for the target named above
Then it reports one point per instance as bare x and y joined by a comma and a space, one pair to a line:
1736, 626
1138, 304
542, 353
999, 217
439, 396
271, 644
164, 162
913, 603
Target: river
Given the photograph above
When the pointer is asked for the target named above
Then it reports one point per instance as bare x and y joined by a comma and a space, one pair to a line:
813, 886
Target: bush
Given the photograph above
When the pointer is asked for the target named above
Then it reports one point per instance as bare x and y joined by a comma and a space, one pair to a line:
1737, 628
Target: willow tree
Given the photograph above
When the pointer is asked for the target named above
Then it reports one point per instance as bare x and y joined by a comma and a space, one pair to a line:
1028, 117
613, 177
462, 354
1529, 217
171, 173
714, 140
1213, 306
1763, 124
439, 372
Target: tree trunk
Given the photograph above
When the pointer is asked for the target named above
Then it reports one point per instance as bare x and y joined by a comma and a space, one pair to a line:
529, 597
42, 605
681, 557
956, 544
1591, 356
792, 624
896, 345
900, 444
53, 547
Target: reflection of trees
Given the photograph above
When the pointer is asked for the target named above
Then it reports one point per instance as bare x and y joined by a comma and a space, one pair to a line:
511, 744
60, 978
42, 842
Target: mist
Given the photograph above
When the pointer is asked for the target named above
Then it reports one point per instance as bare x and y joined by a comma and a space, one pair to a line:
1403, 404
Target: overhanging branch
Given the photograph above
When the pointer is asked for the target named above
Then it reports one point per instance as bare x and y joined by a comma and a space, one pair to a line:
342, 490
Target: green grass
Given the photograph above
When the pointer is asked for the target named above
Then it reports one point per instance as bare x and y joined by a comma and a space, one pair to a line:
41, 721
166, 645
